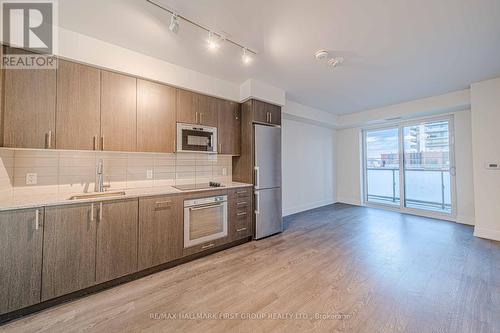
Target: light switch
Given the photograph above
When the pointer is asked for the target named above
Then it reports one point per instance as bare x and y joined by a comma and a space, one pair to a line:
149, 174
31, 179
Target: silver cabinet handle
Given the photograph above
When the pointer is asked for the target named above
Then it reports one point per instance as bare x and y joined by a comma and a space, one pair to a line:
100, 212
270, 117
37, 219
102, 143
91, 212
241, 214
207, 246
196, 118
49, 140
95, 142
205, 207
256, 177
257, 204
220, 148
163, 202
241, 192
241, 203
242, 229
201, 117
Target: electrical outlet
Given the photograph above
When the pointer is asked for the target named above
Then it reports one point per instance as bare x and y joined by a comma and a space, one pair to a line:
31, 178
224, 171
149, 174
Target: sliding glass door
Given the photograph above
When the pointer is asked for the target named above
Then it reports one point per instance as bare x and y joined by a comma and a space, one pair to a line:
427, 166
382, 166
423, 178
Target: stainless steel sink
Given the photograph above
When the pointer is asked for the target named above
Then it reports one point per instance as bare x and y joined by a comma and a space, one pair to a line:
96, 195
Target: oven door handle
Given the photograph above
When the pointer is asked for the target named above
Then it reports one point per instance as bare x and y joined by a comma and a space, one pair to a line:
206, 207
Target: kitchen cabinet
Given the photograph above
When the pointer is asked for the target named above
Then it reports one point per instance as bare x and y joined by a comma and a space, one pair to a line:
1, 97
155, 117
160, 230
194, 108
240, 213
78, 113
118, 112
116, 245
229, 127
68, 249
266, 113
21, 236
29, 107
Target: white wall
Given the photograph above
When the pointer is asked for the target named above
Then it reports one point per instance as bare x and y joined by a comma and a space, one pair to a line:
350, 176
308, 166
349, 169
486, 148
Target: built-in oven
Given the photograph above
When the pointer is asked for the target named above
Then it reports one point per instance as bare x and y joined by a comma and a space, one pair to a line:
196, 138
205, 219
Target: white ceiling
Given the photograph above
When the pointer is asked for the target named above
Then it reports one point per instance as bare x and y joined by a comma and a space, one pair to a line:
395, 50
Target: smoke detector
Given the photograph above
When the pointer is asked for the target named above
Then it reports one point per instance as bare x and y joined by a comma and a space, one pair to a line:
321, 54
334, 62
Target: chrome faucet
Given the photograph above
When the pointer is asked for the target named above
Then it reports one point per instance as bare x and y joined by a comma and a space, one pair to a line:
99, 183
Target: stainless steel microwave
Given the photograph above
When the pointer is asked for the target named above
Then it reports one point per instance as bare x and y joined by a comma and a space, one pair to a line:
196, 139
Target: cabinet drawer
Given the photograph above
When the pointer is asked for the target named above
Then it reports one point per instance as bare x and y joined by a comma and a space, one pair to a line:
241, 193
205, 246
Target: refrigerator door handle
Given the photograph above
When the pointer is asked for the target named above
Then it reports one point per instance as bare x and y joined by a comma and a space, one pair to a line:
257, 176
257, 203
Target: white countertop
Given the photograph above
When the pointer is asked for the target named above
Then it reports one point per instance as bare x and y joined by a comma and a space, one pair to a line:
42, 200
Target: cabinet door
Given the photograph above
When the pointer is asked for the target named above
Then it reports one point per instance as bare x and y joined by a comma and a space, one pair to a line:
274, 114
240, 213
29, 107
118, 112
68, 249
260, 111
116, 252
187, 107
207, 109
155, 117
229, 128
160, 230
20, 258
78, 120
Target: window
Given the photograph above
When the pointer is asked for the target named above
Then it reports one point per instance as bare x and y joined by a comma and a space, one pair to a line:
423, 179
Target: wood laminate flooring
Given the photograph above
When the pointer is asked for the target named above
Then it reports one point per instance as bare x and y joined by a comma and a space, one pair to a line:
336, 268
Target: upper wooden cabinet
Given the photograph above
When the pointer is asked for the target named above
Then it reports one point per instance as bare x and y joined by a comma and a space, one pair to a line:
68, 249
118, 112
160, 230
229, 127
78, 123
116, 245
155, 117
21, 235
266, 113
194, 108
29, 108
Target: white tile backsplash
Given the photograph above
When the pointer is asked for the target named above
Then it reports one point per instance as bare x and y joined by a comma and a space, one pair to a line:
61, 174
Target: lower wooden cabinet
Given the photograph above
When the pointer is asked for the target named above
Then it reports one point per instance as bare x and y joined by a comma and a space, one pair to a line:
116, 246
68, 249
160, 230
21, 236
240, 214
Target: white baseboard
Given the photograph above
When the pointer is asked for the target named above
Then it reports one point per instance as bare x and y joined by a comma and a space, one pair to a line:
468, 220
487, 233
307, 206
349, 201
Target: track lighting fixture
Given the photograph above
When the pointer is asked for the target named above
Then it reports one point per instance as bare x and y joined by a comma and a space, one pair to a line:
174, 24
214, 38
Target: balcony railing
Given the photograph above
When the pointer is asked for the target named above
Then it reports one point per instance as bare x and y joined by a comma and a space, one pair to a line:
425, 188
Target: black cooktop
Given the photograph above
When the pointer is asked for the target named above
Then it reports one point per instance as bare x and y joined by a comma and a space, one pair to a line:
201, 186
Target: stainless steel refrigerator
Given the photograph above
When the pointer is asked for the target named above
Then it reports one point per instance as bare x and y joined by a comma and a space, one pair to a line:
267, 182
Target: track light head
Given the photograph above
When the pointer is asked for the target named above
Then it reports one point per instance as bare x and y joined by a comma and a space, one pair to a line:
213, 41
174, 24
246, 57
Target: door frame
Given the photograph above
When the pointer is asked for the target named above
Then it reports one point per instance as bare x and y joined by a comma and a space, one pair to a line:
401, 207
